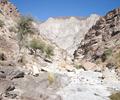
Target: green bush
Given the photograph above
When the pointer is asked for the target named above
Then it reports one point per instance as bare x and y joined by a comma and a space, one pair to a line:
79, 66
116, 59
108, 52
106, 55
38, 44
2, 23
42, 46
49, 51
25, 27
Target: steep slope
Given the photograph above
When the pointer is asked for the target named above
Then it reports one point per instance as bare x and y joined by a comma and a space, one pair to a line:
102, 42
20, 43
9, 48
67, 32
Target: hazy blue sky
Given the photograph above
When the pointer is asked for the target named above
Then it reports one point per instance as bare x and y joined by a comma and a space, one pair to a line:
43, 9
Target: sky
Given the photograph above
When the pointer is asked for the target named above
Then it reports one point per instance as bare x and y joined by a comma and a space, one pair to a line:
43, 9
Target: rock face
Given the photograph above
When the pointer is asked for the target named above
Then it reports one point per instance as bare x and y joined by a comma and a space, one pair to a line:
102, 42
67, 32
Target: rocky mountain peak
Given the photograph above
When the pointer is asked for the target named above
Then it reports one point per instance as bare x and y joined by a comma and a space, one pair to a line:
67, 32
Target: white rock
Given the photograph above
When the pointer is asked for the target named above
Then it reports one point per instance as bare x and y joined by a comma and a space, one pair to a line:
67, 32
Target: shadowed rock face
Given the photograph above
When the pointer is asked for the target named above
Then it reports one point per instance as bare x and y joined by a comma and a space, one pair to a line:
67, 32
102, 39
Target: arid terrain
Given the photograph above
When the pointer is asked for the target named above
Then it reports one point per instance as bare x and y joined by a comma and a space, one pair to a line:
64, 58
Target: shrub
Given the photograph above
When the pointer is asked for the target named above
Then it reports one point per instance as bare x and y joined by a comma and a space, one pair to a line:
49, 51
4, 0
25, 27
117, 59
115, 96
42, 46
78, 66
51, 78
2, 23
108, 52
38, 44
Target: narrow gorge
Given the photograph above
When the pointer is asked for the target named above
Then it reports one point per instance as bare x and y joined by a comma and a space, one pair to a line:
62, 58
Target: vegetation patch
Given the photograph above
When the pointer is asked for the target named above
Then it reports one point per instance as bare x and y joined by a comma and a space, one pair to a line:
51, 78
106, 55
108, 52
117, 59
38, 44
49, 51
2, 23
25, 27
115, 96
79, 66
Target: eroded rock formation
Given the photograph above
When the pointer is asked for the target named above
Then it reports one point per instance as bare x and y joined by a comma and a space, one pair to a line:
102, 42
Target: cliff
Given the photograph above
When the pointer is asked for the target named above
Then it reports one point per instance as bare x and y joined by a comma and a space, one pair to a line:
67, 32
101, 44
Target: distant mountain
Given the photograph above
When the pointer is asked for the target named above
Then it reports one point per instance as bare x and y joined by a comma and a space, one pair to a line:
67, 32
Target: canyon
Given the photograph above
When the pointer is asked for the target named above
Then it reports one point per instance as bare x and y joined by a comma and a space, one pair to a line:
63, 58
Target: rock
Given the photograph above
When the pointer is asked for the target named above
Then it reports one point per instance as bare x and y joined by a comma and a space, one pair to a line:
89, 65
110, 66
86, 65
10, 96
11, 72
35, 69
2, 75
18, 74
3, 57
48, 60
10, 88
4, 85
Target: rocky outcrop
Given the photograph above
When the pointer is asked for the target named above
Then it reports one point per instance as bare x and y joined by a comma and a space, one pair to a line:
102, 42
8, 9
67, 32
